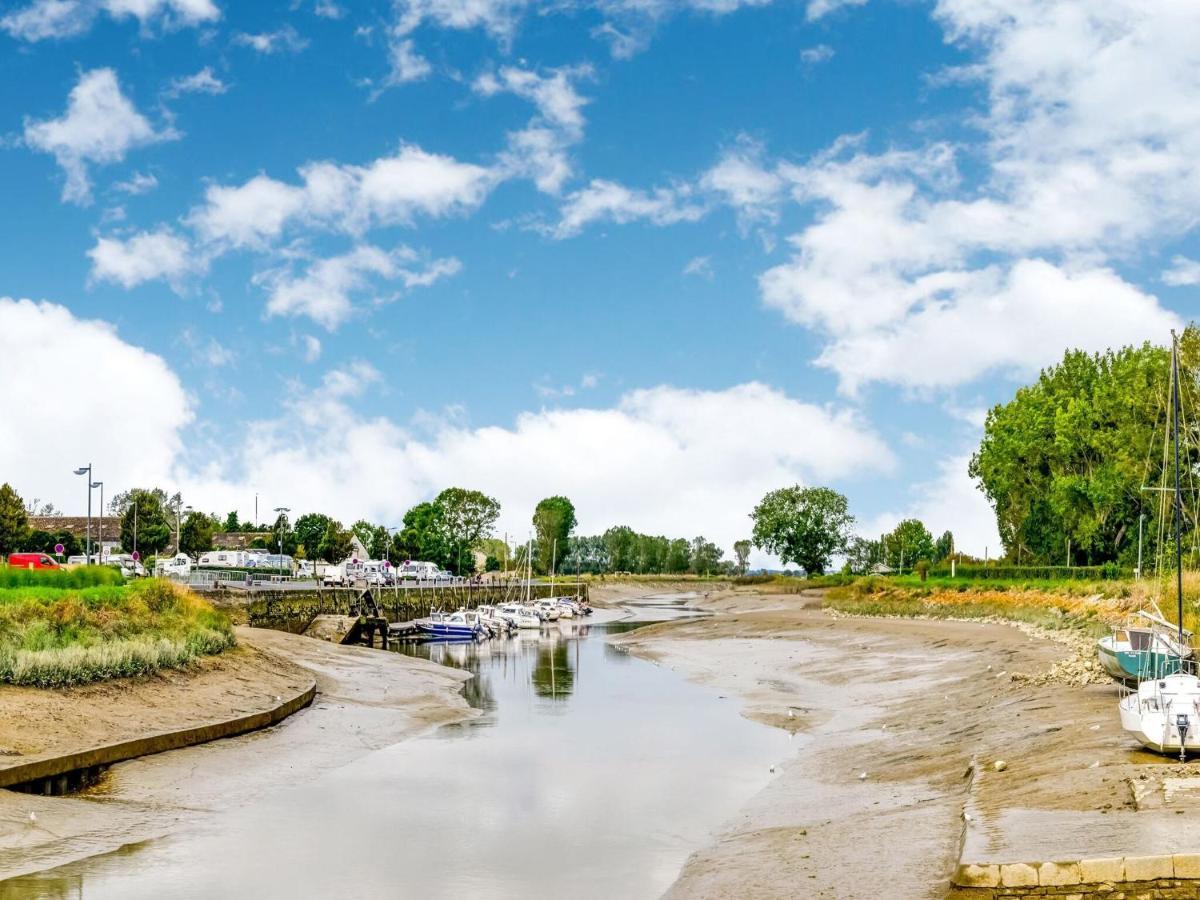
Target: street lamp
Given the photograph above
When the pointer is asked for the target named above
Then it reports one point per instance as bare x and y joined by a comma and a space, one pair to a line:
282, 512
178, 526
87, 470
100, 541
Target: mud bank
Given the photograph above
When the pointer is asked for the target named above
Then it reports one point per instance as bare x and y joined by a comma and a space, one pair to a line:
891, 719
365, 700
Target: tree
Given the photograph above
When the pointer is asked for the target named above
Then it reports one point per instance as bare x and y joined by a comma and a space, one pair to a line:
14, 521
621, 543
46, 541
282, 535
382, 546
144, 523
806, 526
943, 546
862, 554
196, 534
119, 504
553, 522
335, 545
421, 537
37, 508
908, 542
231, 522
741, 549
309, 530
678, 556
706, 556
465, 517
365, 532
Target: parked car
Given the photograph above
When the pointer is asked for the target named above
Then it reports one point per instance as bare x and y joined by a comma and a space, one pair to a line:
32, 561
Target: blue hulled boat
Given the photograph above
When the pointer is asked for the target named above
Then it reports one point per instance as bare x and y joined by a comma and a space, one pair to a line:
452, 626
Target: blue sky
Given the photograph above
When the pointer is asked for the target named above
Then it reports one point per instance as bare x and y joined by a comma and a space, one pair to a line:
660, 256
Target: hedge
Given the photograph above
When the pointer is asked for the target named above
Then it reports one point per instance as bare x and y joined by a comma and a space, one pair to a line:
1106, 572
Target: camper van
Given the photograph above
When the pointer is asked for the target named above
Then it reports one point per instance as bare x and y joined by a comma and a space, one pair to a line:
177, 566
422, 571
224, 559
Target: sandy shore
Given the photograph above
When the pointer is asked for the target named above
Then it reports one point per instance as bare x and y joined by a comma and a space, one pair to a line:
366, 700
887, 716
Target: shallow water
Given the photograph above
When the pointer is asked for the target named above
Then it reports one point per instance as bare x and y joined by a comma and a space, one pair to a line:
589, 773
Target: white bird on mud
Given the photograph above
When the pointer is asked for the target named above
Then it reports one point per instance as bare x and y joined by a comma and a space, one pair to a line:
862, 776
32, 818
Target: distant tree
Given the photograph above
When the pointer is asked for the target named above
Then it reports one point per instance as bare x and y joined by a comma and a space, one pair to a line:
465, 517
421, 538
14, 521
309, 529
119, 504
943, 546
678, 556
36, 507
806, 526
908, 542
706, 556
231, 522
382, 545
45, 542
259, 542
621, 543
196, 534
144, 523
364, 531
281, 531
553, 522
741, 549
491, 564
862, 554
586, 554
334, 546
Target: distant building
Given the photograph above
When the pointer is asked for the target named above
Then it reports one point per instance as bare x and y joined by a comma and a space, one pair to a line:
237, 540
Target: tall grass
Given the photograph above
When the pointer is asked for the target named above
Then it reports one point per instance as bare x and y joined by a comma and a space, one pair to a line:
77, 577
53, 636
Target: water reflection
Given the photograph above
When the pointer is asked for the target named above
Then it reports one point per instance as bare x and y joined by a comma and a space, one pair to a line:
589, 773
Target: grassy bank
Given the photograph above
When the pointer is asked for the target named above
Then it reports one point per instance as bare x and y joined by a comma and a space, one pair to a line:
1091, 606
63, 628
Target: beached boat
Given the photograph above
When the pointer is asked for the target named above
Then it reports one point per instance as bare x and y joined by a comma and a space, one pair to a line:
1163, 714
548, 610
1134, 653
453, 626
521, 616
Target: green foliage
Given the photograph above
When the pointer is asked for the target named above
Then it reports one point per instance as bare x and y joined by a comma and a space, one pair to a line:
55, 634
1066, 458
806, 526
46, 541
705, 556
1106, 572
59, 579
464, 518
553, 522
281, 531
144, 523
196, 534
491, 564
334, 546
14, 521
309, 529
421, 537
943, 546
231, 522
908, 542
741, 549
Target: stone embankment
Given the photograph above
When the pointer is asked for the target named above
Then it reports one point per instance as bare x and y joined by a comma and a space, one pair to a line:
1119, 878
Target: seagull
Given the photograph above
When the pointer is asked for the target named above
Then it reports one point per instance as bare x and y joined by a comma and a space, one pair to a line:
33, 818
862, 776
791, 715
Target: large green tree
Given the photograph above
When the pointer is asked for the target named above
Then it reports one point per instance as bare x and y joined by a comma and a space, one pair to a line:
553, 522
908, 542
196, 534
421, 538
621, 543
465, 517
309, 529
706, 556
806, 526
1064, 462
334, 546
144, 523
741, 550
14, 520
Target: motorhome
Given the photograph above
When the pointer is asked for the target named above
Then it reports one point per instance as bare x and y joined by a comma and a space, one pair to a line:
422, 571
177, 566
224, 559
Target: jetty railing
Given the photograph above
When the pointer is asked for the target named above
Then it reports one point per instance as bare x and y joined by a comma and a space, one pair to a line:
293, 610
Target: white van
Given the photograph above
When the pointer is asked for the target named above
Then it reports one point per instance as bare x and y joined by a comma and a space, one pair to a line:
223, 559
334, 576
422, 571
178, 566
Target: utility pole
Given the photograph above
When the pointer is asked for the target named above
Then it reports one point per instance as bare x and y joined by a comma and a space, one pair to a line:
100, 552
1138, 574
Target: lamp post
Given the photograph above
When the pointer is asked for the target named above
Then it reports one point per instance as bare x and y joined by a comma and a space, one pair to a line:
178, 525
87, 470
282, 512
100, 540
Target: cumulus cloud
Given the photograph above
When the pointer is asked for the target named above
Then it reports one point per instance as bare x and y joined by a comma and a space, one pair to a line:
405, 64
742, 180
137, 183
820, 53
59, 19
145, 256
202, 82
700, 266
100, 126
1183, 272
46, 353
283, 40
818, 9
324, 292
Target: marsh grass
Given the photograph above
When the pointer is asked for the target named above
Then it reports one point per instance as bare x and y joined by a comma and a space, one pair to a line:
77, 577
55, 636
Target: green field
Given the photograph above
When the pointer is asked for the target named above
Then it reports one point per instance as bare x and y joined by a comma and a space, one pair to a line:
61, 628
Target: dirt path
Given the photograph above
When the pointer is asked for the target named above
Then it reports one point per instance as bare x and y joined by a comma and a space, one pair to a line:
887, 716
366, 700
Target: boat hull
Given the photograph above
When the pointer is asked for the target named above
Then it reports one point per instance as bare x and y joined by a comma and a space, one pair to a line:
1132, 666
451, 632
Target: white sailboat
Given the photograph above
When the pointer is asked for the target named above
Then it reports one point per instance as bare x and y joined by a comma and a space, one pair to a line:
1164, 712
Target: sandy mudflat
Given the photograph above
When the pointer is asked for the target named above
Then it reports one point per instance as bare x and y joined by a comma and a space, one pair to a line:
908, 704
366, 700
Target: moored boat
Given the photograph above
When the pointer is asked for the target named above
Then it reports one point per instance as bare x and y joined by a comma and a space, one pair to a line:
454, 626
1134, 653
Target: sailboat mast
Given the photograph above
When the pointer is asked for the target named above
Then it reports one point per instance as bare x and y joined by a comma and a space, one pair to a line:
1178, 497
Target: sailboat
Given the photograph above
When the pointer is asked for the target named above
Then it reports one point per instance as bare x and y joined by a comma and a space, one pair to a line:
1144, 649
1164, 712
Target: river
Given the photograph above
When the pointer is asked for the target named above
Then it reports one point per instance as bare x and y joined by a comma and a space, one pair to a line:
588, 773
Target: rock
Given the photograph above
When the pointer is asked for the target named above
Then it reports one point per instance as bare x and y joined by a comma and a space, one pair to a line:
999, 765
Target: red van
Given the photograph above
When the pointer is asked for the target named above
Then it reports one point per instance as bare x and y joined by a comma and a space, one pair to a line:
32, 561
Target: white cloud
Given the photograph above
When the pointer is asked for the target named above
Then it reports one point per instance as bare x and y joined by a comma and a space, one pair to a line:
137, 183
327, 9
742, 181
58, 19
211, 352
312, 348
388, 191
659, 460
100, 126
325, 291
820, 53
608, 201
1183, 272
700, 266
405, 63
202, 82
283, 40
46, 352
146, 256
818, 9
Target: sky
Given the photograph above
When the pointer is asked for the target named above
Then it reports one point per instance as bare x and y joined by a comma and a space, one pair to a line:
660, 256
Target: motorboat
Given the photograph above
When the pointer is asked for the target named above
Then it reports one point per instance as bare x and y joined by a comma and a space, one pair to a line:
566, 607
521, 616
492, 618
548, 610
1164, 713
454, 626
1137, 652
